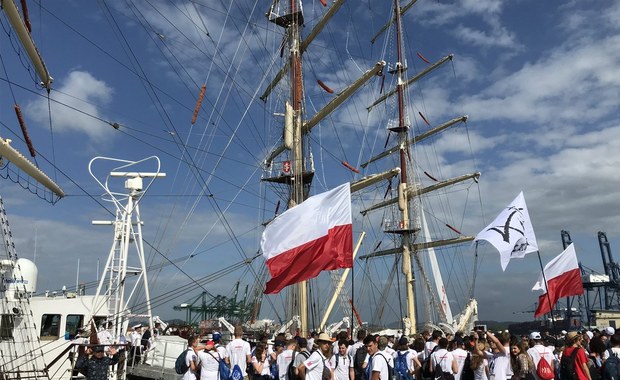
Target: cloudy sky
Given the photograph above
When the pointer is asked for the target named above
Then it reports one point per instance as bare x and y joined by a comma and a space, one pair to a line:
538, 79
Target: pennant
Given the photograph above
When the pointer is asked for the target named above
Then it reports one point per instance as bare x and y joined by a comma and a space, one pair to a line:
313, 236
563, 280
511, 233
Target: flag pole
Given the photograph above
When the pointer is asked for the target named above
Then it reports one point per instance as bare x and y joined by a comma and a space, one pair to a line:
553, 327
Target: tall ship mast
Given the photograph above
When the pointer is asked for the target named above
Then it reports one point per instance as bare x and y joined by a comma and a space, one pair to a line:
408, 226
291, 160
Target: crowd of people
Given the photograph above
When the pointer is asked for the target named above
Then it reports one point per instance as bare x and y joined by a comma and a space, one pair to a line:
479, 355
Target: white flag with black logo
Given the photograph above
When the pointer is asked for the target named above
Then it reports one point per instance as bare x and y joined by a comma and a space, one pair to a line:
511, 233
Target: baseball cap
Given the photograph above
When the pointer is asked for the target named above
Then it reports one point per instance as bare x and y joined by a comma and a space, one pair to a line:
98, 348
217, 336
535, 335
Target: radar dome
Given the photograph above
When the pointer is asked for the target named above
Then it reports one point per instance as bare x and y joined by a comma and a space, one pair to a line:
24, 275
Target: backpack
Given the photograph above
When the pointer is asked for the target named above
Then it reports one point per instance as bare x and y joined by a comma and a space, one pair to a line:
611, 368
236, 373
222, 368
290, 370
567, 366
426, 365
401, 367
358, 362
543, 370
441, 375
467, 373
180, 365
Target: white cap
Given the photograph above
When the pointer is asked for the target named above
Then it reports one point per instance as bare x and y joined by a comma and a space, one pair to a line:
535, 335
609, 330
590, 334
137, 326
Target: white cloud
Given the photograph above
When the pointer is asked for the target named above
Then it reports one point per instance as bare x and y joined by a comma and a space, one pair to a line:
79, 91
496, 37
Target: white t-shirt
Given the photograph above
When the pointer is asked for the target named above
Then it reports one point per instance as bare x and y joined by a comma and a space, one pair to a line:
209, 365
615, 350
460, 355
428, 348
310, 344
481, 373
380, 363
221, 350
238, 350
189, 357
135, 338
265, 370
444, 358
340, 364
314, 366
501, 368
284, 359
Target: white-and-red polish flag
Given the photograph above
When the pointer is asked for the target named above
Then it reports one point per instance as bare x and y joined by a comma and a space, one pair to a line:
311, 237
563, 280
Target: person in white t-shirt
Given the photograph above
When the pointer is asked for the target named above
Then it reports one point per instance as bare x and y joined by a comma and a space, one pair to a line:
311, 341
410, 356
539, 351
238, 351
260, 362
191, 359
217, 338
285, 358
209, 362
460, 354
429, 346
340, 361
361, 334
315, 365
378, 361
500, 368
444, 358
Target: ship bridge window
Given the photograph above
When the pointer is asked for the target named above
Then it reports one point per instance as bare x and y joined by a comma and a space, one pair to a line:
7, 324
50, 326
74, 322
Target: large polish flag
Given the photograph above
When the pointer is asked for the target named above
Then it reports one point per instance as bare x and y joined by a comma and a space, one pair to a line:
313, 236
511, 233
563, 280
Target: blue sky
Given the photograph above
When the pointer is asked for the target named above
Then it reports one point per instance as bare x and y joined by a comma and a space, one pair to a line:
539, 81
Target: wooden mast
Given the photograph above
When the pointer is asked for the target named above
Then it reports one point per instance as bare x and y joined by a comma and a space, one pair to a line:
403, 128
297, 193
